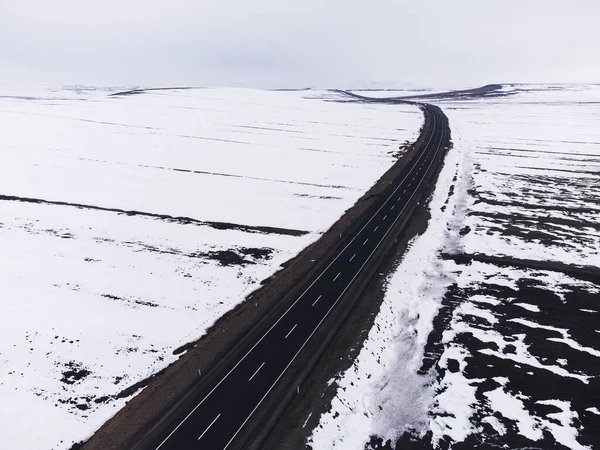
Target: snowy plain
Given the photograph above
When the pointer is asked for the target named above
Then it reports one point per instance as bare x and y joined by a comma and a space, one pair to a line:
129, 223
488, 335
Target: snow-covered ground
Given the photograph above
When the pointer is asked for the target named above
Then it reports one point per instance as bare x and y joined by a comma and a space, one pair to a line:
130, 223
489, 332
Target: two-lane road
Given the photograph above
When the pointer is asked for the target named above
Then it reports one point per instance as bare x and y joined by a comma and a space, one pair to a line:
221, 409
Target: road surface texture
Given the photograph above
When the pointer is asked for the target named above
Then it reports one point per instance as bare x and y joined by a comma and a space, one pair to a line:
238, 402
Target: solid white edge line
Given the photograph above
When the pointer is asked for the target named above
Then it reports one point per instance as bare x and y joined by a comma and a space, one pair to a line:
325, 316
256, 371
207, 428
290, 332
301, 295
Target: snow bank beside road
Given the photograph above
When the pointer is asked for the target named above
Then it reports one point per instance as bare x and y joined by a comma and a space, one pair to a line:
94, 301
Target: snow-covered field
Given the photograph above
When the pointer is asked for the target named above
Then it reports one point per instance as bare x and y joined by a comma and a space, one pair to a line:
130, 223
489, 333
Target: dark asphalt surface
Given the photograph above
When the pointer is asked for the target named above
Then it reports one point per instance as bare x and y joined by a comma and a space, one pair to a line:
225, 404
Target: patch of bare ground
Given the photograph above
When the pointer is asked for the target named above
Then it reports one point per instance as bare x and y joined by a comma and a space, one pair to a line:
164, 389
168, 218
526, 206
556, 365
587, 273
489, 90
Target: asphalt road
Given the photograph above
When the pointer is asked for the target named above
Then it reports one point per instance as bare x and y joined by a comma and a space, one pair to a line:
224, 405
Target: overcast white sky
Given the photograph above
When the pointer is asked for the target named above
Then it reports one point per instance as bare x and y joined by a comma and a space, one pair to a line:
322, 43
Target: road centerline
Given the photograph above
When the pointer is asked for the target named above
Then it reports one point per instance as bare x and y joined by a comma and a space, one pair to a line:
290, 332
208, 427
260, 367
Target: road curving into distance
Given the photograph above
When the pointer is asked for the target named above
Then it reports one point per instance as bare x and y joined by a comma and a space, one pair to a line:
239, 401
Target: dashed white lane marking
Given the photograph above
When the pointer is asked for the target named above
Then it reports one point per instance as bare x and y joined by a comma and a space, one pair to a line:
366, 240
318, 298
290, 332
404, 191
352, 257
211, 424
392, 207
261, 366
385, 217
375, 229
336, 277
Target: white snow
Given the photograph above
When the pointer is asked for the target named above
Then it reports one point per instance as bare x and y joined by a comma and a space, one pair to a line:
109, 296
496, 424
563, 431
528, 307
512, 408
454, 393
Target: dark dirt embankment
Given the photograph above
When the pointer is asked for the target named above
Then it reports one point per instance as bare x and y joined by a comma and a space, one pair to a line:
173, 219
489, 90
165, 388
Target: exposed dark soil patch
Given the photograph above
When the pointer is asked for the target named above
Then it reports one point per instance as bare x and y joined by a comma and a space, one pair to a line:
74, 373
142, 90
490, 90
237, 256
324, 197
572, 210
538, 220
132, 301
589, 172
587, 273
595, 156
166, 217
535, 156
577, 313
